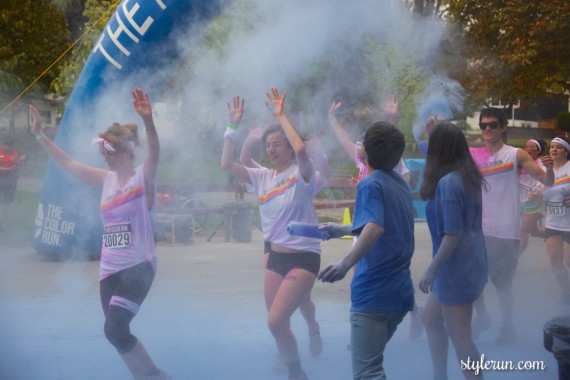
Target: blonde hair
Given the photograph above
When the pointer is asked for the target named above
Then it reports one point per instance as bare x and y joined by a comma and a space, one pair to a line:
120, 135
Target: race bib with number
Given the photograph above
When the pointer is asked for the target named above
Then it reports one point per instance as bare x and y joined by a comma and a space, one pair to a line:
117, 236
556, 208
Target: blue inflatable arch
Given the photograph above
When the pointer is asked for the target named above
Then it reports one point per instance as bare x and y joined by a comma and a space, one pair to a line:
135, 41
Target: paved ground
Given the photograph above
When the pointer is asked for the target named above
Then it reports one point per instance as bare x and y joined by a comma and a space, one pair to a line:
205, 317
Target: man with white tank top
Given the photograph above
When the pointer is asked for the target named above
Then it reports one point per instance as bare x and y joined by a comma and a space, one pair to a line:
501, 166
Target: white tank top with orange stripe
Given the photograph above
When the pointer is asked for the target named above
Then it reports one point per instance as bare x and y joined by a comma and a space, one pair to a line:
128, 232
557, 214
501, 202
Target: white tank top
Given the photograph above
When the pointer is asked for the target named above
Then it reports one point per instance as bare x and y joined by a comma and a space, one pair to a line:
527, 183
284, 197
501, 204
558, 215
128, 232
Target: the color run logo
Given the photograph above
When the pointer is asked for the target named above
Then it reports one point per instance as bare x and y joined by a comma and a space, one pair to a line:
125, 32
51, 226
501, 365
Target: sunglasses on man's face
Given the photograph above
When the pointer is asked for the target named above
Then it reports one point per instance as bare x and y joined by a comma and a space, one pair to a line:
491, 124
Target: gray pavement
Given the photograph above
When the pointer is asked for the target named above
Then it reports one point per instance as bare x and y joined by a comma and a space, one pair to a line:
205, 317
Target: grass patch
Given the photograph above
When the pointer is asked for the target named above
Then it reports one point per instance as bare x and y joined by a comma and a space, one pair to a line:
21, 228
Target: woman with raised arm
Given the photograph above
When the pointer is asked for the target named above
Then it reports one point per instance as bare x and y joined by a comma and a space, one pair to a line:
532, 209
307, 306
285, 194
128, 255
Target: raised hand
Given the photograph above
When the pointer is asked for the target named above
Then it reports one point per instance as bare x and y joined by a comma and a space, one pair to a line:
332, 112
36, 120
275, 102
235, 110
390, 105
141, 103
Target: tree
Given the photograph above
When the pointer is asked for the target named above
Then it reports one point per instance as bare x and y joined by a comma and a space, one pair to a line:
516, 49
563, 121
97, 13
425, 7
73, 12
33, 33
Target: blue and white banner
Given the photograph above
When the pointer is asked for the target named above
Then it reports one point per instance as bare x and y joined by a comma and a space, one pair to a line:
135, 49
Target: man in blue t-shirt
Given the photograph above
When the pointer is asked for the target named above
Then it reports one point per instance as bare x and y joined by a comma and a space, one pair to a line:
381, 290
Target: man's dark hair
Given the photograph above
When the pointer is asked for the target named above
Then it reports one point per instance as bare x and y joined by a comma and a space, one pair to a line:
494, 112
384, 145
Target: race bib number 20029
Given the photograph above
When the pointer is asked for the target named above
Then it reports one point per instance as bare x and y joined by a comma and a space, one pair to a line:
117, 236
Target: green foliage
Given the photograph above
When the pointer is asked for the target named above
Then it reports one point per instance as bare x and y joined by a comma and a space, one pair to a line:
563, 121
516, 49
97, 13
33, 34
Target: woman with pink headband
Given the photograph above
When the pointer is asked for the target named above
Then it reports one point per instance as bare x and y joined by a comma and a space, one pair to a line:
128, 254
532, 209
557, 222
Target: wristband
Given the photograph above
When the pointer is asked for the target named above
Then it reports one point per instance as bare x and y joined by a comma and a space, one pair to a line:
231, 134
233, 126
40, 136
333, 121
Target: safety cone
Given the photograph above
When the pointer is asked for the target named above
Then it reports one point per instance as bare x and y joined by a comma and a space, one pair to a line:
346, 220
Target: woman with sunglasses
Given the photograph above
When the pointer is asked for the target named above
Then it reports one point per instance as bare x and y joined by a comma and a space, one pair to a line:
500, 165
530, 195
557, 221
128, 255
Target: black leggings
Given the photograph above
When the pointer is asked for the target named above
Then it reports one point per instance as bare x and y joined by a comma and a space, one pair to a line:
122, 293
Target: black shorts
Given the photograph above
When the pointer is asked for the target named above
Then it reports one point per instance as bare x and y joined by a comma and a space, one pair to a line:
549, 232
282, 263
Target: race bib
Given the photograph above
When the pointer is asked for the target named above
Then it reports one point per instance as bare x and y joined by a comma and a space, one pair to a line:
117, 236
556, 208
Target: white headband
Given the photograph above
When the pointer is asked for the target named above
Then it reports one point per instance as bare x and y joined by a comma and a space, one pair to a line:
107, 145
537, 144
561, 142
